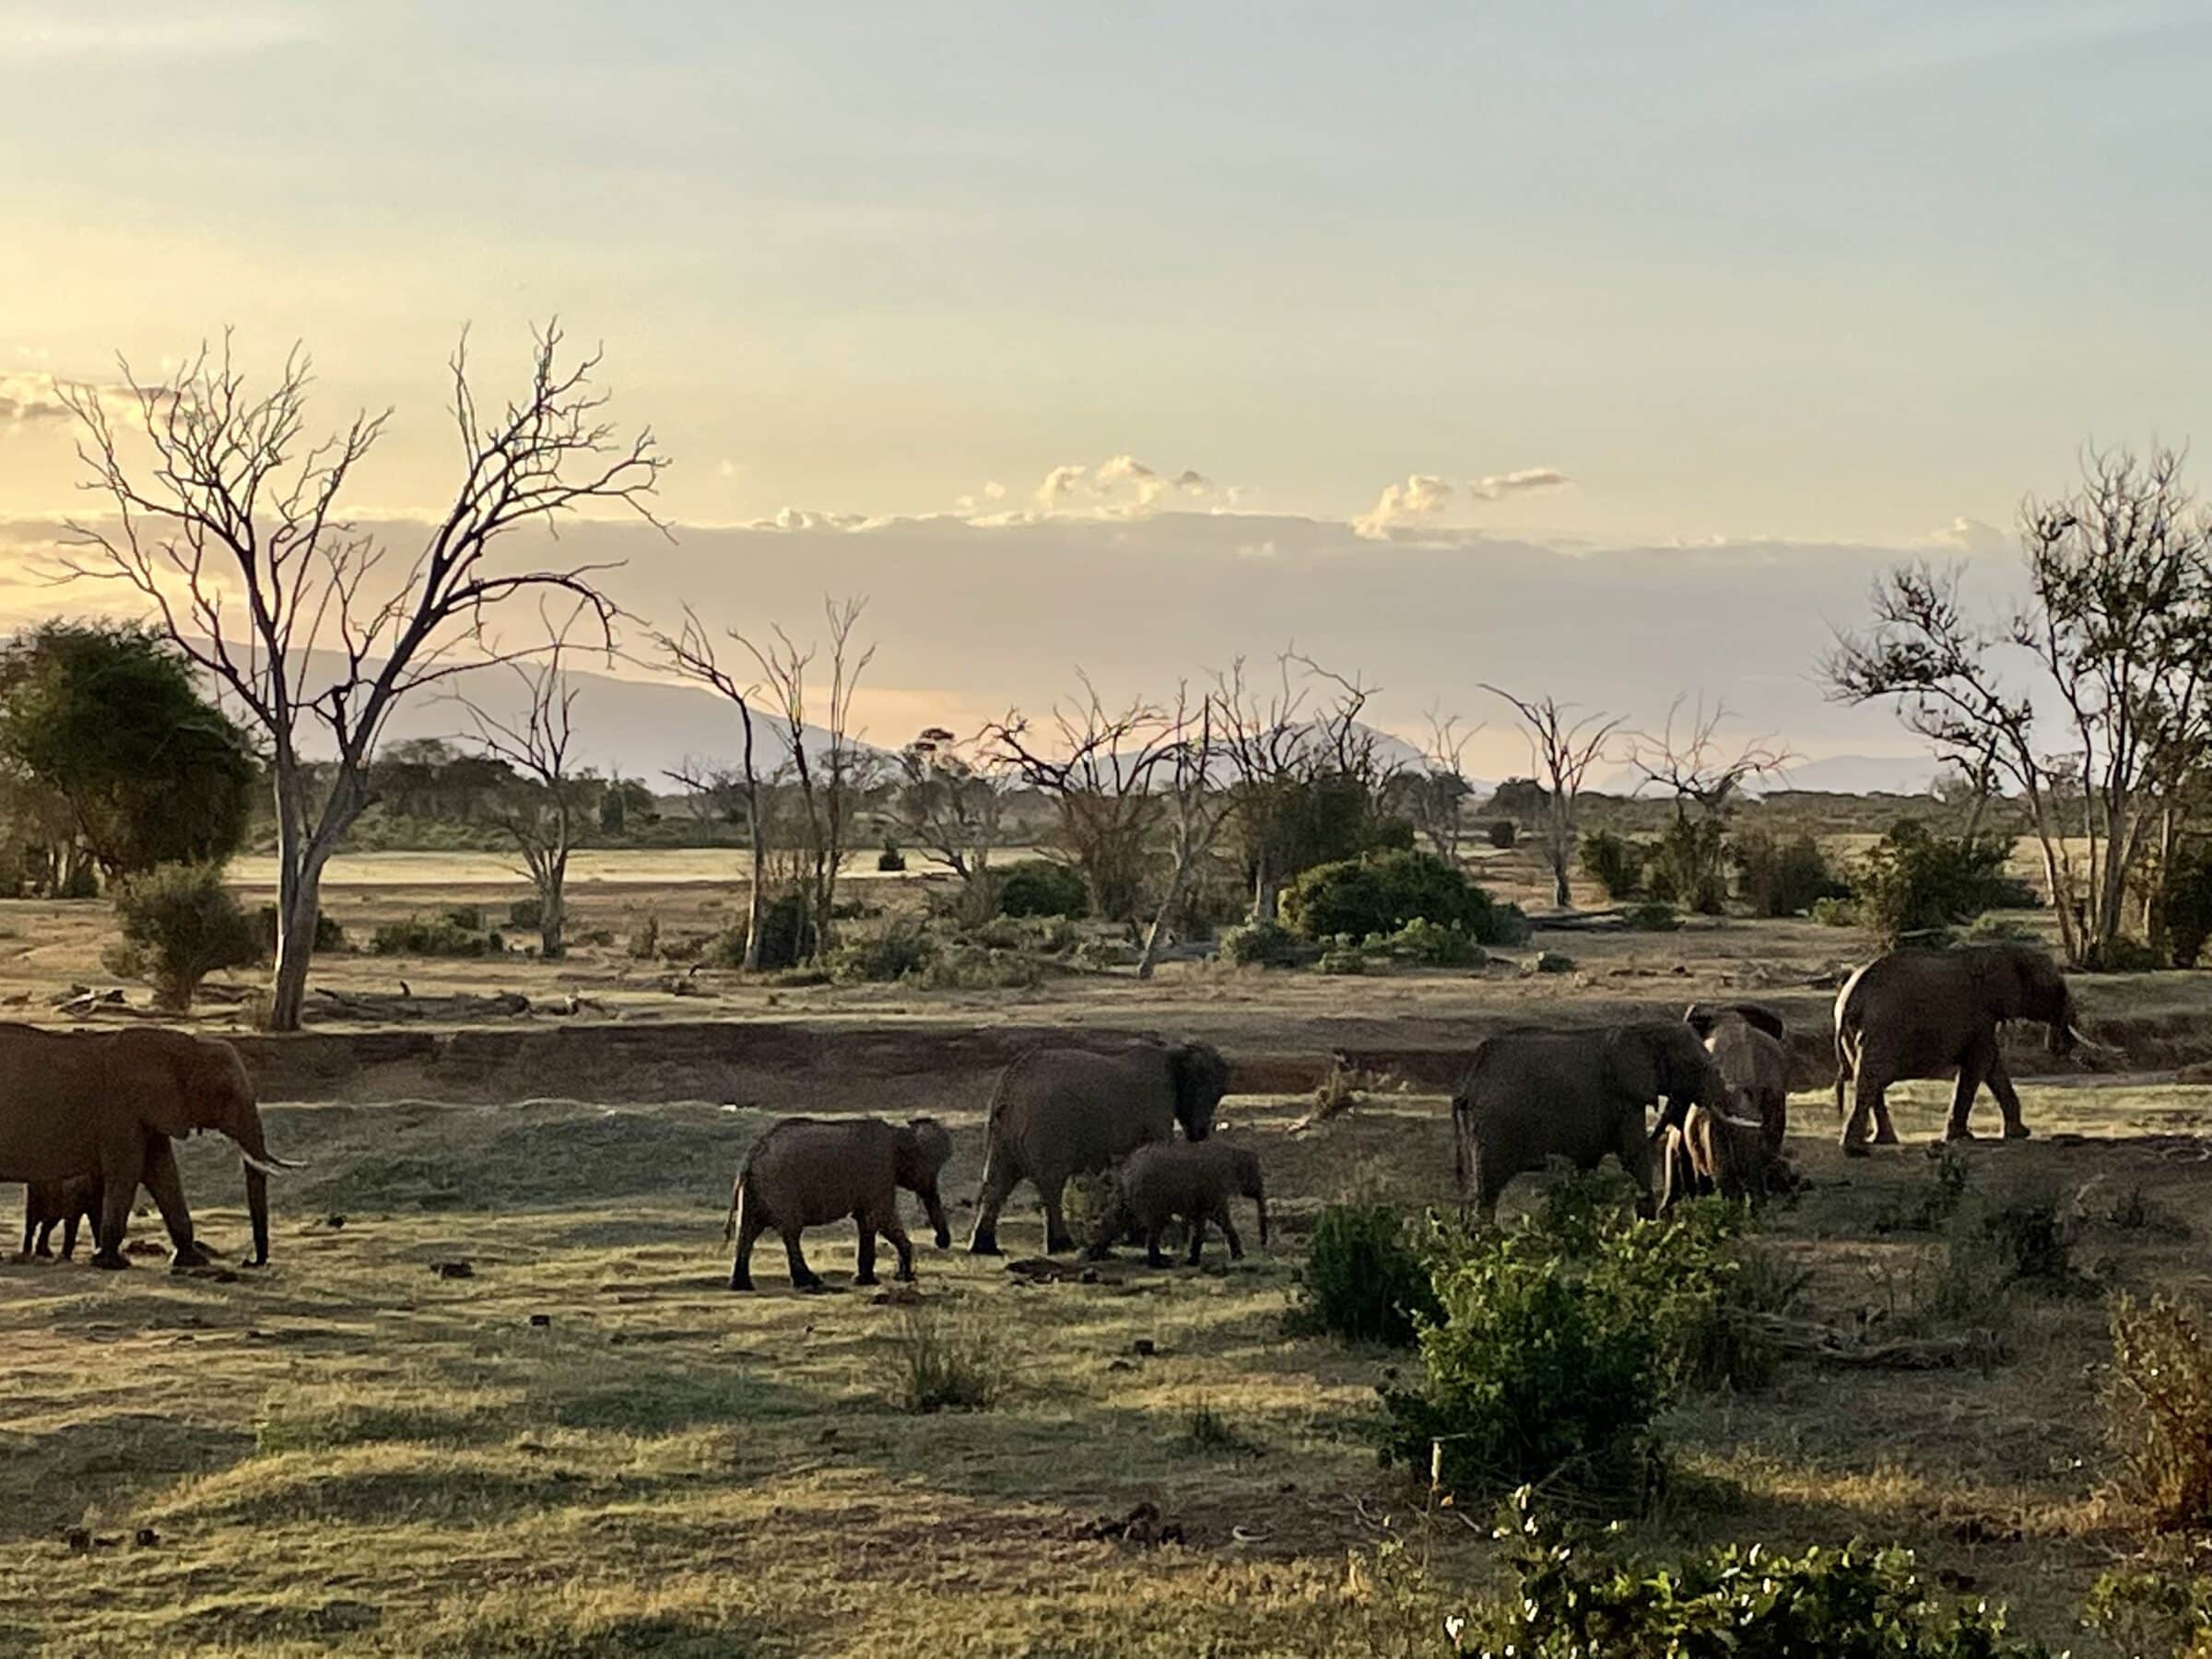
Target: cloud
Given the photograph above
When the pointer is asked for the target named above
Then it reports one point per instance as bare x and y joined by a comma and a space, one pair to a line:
1120, 487
30, 397
798, 518
1423, 498
1500, 484
1970, 536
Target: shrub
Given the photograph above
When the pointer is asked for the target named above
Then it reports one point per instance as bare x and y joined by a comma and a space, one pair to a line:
976, 968
526, 913
1930, 1208
947, 1363
440, 935
1423, 941
1343, 958
644, 942
2186, 900
180, 924
1913, 881
1688, 866
786, 937
1381, 892
1785, 878
1836, 913
2123, 955
2031, 1243
1615, 862
329, 935
1205, 1429
1653, 915
892, 955
467, 918
1363, 1281
1504, 834
2152, 1613
1264, 945
891, 860
1038, 887
1574, 1598
1554, 961
2157, 1408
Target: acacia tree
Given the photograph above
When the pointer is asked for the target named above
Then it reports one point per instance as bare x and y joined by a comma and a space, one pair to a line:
2089, 698
948, 802
691, 653
1562, 749
544, 815
1704, 772
1197, 808
231, 530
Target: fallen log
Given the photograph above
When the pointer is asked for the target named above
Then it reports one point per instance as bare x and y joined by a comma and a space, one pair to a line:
376, 1004
1807, 1339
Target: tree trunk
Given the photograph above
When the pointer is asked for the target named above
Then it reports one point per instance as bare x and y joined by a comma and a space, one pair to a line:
1263, 891
1156, 935
552, 919
299, 902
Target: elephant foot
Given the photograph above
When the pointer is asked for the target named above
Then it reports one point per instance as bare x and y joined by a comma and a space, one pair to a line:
1960, 1132
1154, 1259
810, 1285
984, 1243
866, 1279
741, 1281
942, 1241
1885, 1137
1856, 1149
2017, 1131
191, 1254
111, 1261
1059, 1246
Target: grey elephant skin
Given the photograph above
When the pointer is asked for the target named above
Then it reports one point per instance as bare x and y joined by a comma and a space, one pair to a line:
1748, 1042
1581, 1095
1191, 1180
1059, 1113
806, 1172
63, 1204
109, 1103
1713, 1152
1931, 1013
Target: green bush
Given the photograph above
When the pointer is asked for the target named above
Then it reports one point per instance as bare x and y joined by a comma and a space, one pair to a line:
1785, 878
1381, 892
2157, 1406
529, 914
1432, 945
1914, 881
1836, 913
180, 923
1038, 887
1363, 1281
1265, 945
901, 950
1343, 958
976, 968
1689, 865
468, 918
1574, 1598
1653, 915
2152, 1613
2123, 955
2185, 898
1615, 862
786, 937
440, 935
1504, 834
947, 1363
329, 935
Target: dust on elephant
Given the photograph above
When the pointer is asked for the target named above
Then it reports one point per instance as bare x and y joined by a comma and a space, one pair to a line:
806, 1172
1533, 1095
1189, 1180
63, 1204
1928, 1013
1062, 1111
1714, 1152
109, 1103
1745, 1040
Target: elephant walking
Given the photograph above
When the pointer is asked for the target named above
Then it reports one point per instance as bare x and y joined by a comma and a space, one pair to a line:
1193, 1180
806, 1172
1923, 1013
1532, 1095
1059, 1113
63, 1204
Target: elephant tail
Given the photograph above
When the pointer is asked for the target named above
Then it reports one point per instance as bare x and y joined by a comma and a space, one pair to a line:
737, 1202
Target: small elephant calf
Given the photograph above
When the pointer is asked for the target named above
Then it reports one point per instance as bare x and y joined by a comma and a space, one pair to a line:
806, 1172
1714, 1152
1193, 1180
47, 1203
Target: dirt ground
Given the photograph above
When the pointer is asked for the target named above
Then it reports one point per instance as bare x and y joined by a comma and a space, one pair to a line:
586, 1444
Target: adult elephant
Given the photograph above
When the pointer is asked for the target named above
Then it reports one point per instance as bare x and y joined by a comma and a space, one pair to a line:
1058, 1112
1926, 1013
109, 1103
1746, 1042
1533, 1095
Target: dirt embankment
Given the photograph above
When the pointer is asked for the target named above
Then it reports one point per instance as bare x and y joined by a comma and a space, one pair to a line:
911, 1064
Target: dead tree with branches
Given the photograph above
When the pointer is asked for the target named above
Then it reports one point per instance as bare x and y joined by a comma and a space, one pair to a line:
1562, 749
1197, 807
691, 653
228, 522
1704, 772
949, 800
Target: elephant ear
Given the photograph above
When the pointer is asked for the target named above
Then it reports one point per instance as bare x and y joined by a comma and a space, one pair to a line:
932, 1142
1701, 1019
1201, 1079
1760, 1017
164, 1074
1635, 1061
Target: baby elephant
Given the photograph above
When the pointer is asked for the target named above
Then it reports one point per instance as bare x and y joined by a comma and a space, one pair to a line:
805, 1172
1193, 1180
1714, 1152
65, 1202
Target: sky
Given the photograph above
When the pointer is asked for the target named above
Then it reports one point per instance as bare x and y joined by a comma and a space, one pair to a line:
1527, 306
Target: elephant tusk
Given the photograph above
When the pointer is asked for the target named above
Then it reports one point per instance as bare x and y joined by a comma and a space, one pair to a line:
269, 1166
2083, 1040
1739, 1123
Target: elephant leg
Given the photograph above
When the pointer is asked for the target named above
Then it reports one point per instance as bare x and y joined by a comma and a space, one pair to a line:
864, 1272
121, 1170
30, 1222
1634, 1150
1057, 1239
167, 1185
1197, 1226
999, 1179
803, 1278
749, 1228
1228, 1232
1867, 1104
2008, 1098
69, 1236
1152, 1256
895, 1233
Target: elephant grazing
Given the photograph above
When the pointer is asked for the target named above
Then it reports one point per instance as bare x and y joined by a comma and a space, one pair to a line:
1192, 1180
107, 1105
51, 1204
806, 1172
1062, 1111
1533, 1095
1746, 1042
1712, 1152
1925, 1013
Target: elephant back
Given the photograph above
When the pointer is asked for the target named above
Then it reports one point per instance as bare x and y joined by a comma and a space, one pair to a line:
1074, 1109
809, 1171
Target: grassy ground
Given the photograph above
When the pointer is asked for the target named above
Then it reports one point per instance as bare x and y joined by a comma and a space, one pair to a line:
589, 1445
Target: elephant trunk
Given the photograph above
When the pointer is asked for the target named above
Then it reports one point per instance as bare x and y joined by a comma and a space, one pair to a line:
935, 1206
254, 1152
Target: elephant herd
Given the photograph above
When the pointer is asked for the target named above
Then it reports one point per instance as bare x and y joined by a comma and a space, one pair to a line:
87, 1119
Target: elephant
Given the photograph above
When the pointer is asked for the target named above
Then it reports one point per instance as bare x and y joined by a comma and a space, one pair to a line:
805, 1172
1925, 1013
1064, 1112
47, 1203
1746, 1042
107, 1105
1193, 1180
1712, 1151
1532, 1094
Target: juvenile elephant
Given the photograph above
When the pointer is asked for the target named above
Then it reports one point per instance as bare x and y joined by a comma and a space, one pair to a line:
1061, 1111
1746, 1042
806, 1172
1923, 1013
1191, 1180
1531, 1095
49, 1204
1713, 1152
107, 1105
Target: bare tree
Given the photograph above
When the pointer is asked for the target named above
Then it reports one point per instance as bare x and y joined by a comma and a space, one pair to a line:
2113, 643
544, 818
691, 653
1096, 765
948, 802
1562, 749
1435, 794
1197, 809
1695, 764
231, 530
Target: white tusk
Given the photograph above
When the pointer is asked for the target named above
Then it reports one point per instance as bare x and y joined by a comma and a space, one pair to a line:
1737, 1123
273, 1166
2086, 1040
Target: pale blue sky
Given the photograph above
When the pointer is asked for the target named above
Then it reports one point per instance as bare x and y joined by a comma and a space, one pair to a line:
1839, 272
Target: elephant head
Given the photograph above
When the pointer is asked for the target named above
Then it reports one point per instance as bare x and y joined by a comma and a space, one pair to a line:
1244, 1164
1201, 1079
2017, 981
1702, 1019
1656, 1060
921, 1152
185, 1085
